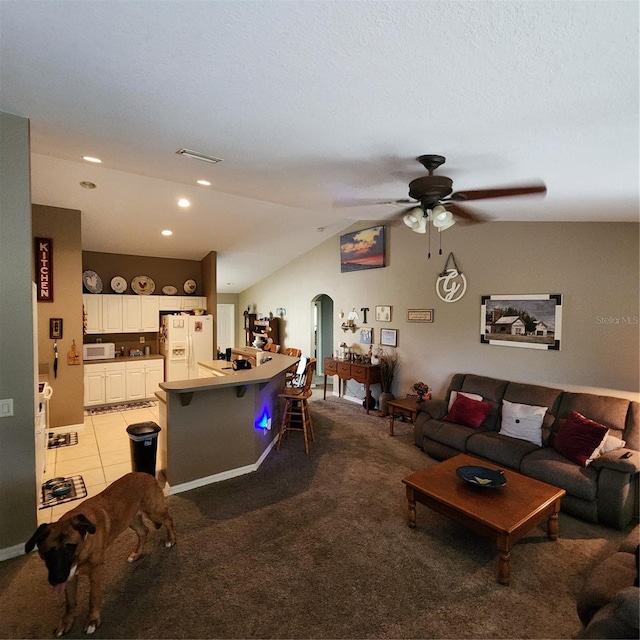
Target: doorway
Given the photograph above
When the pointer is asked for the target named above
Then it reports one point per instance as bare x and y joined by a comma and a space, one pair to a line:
322, 328
225, 333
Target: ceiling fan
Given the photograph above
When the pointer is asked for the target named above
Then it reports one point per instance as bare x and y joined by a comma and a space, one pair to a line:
431, 198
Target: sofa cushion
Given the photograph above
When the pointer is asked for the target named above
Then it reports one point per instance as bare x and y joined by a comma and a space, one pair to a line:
578, 438
522, 421
499, 448
489, 388
539, 396
611, 443
492, 391
548, 465
607, 410
447, 433
454, 395
468, 412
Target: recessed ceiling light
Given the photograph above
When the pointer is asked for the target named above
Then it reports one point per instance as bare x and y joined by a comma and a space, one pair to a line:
196, 155
167, 232
320, 229
92, 159
184, 203
88, 185
204, 183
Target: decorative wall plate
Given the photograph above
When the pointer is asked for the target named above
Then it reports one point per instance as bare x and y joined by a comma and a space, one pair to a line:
143, 285
190, 286
119, 284
92, 282
169, 290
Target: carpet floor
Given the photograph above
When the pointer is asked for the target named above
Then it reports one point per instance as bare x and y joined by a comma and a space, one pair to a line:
317, 546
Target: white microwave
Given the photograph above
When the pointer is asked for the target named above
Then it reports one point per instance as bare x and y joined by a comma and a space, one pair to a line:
99, 351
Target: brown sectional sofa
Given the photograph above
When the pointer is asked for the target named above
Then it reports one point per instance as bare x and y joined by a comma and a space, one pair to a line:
606, 491
609, 601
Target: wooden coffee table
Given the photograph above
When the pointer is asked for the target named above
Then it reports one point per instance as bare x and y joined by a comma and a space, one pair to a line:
503, 514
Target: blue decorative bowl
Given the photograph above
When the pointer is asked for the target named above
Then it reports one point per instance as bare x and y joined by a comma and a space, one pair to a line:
482, 477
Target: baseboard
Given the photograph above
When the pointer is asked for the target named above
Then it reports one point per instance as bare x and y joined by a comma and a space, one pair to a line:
12, 552
223, 475
67, 428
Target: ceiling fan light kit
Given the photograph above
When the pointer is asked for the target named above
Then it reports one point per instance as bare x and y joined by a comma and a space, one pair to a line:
414, 218
441, 218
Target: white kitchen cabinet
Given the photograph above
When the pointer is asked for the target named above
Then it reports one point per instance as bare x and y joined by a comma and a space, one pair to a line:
94, 392
140, 313
181, 303
104, 313
149, 313
154, 375
193, 302
93, 310
135, 381
111, 314
143, 378
107, 383
104, 383
170, 303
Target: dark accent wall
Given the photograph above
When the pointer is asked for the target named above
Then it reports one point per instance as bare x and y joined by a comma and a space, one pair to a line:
163, 271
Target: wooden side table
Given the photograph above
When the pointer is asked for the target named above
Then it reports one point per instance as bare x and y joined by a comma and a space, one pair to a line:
367, 374
404, 407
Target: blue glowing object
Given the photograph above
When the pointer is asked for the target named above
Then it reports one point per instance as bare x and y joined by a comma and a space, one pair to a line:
264, 422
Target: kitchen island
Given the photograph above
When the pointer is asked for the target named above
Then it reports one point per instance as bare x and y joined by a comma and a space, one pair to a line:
219, 426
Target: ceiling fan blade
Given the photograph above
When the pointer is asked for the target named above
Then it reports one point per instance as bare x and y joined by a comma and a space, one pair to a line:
465, 215
365, 202
481, 194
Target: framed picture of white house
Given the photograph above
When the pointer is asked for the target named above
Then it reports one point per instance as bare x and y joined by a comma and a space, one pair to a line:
531, 321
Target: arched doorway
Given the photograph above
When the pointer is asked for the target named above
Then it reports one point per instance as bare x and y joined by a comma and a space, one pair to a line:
322, 330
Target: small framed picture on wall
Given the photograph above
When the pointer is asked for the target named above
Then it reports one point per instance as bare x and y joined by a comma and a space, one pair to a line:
383, 313
389, 337
366, 336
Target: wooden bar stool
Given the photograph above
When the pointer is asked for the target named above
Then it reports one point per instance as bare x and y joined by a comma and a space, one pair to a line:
296, 415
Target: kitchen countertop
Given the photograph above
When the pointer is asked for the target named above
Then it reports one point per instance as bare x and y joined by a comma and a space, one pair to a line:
223, 377
153, 356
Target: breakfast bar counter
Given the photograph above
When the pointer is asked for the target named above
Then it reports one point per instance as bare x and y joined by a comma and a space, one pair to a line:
220, 425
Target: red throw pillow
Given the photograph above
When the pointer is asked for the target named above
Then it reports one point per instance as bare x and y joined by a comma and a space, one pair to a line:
578, 437
470, 413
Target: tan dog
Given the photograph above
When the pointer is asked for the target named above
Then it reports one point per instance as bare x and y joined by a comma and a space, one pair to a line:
76, 544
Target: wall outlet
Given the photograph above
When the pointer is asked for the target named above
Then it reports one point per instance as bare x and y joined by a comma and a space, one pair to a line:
6, 408
142, 339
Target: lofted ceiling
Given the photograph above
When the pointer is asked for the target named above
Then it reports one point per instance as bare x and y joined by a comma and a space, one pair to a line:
309, 102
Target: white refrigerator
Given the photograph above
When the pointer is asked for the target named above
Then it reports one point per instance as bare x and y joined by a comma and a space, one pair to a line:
184, 341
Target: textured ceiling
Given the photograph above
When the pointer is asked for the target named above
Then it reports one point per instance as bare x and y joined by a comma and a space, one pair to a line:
308, 102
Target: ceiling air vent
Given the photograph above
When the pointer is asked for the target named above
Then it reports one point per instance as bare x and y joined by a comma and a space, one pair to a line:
198, 156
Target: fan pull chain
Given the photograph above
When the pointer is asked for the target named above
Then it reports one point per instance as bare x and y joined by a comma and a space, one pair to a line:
429, 239
440, 237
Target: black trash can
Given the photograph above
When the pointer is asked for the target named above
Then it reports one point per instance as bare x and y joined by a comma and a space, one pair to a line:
144, 446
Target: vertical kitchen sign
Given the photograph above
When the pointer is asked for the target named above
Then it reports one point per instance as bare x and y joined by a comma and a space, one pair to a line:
44, 269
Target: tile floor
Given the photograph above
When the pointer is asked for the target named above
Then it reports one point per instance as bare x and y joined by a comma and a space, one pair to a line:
101, 456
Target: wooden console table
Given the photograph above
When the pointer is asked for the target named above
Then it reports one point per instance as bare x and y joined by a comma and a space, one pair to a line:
366, 374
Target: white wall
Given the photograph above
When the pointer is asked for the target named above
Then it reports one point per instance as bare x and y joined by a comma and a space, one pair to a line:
594, 266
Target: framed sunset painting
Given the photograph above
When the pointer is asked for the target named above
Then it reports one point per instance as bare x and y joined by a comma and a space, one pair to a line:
362, 249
